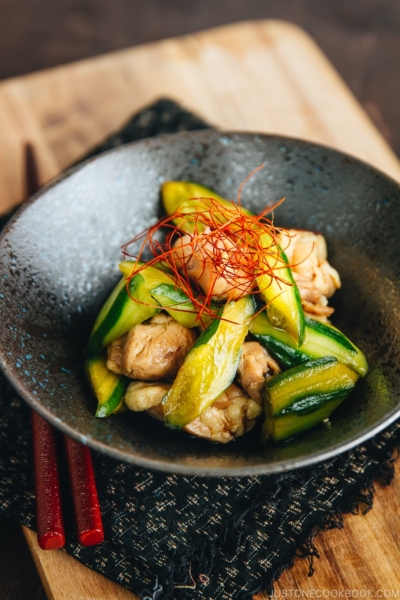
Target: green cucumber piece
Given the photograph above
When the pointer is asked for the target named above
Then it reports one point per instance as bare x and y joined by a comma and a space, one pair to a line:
321, 340
120, 312
210, 366
179, 306
304, 396
189, 196
289, 425
126, 267
282, 296
109, 388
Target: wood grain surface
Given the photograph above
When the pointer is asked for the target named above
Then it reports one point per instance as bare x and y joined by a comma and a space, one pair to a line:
361, 37
264, 76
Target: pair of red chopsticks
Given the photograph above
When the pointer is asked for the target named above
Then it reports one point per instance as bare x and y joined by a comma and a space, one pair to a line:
49, 519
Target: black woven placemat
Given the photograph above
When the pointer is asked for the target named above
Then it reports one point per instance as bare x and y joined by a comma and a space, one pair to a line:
171, 536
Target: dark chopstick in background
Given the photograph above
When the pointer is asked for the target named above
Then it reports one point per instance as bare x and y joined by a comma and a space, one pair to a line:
49, 519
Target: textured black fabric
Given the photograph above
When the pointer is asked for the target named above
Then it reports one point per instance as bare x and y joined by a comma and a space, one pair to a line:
171, 536
162, 117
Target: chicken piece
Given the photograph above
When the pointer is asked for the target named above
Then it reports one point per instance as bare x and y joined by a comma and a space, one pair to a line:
114, 354
152, 350
316, 279
230, 416
208, 262
254, 367
142, 395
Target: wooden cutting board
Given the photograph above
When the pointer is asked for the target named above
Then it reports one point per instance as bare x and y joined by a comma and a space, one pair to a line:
265, 76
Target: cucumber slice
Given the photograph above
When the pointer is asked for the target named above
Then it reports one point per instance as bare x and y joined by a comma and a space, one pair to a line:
281, 295
178, 305
188, 196
126, 267
210, 366
305, 395
175, 192
289, 425
120, 313
109, 388
321, 340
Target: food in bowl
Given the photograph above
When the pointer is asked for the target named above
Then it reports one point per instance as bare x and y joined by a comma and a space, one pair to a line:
225, 324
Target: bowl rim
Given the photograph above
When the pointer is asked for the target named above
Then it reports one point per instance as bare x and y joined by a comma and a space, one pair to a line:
280, 466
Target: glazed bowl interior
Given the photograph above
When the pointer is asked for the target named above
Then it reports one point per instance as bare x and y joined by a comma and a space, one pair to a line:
58, 263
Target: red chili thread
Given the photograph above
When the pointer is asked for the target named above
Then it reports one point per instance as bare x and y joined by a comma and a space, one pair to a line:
226, 241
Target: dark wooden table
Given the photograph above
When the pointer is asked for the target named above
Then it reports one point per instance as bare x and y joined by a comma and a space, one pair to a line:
361, 38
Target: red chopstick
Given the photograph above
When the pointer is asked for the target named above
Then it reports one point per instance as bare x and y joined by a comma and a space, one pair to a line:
50, 527
84, 493
49, 520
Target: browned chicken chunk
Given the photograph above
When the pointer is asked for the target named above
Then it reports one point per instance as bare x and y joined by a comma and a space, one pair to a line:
254, 367
143, 395
230, 416
316, 279
152, 350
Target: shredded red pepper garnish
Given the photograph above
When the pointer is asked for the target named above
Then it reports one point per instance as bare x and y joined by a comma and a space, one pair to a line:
228, 244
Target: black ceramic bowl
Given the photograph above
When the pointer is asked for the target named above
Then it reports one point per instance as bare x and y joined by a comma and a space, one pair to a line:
58, 263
